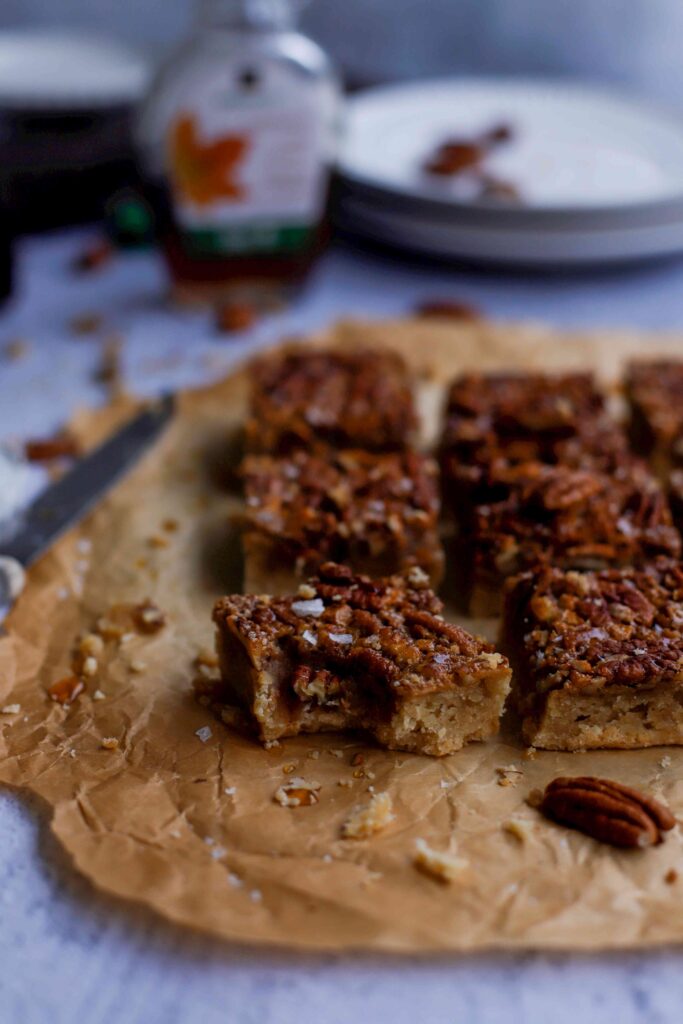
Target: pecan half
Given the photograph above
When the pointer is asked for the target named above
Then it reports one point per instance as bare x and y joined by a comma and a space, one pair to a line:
607, 811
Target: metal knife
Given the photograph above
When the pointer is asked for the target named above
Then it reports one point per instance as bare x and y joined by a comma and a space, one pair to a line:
67, 501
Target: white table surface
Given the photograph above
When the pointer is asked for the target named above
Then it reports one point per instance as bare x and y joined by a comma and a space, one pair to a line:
69, 954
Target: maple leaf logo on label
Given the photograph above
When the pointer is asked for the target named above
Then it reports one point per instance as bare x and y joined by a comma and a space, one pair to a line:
204, 173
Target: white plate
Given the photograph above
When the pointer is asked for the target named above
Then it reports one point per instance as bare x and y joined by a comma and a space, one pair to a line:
578, 152
501, 244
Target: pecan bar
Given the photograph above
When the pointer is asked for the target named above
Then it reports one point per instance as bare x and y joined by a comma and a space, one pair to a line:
496, 422
574, 519
348, 652
376, 512
598, 656
311, 399
655, 395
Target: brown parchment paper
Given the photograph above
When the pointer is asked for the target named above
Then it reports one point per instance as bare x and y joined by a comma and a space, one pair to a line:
190, 827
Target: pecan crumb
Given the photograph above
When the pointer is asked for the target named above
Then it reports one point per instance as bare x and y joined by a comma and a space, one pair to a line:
148, 617
109, 743
445, 867
65, 690
297, 793
235, 316
62, 446
366, 821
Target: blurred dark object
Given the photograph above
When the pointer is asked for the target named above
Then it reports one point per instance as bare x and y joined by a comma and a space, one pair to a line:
66, 105
130, 220
6, 244
447, 309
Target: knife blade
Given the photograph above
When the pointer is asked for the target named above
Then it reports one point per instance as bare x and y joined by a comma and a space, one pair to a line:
66, 502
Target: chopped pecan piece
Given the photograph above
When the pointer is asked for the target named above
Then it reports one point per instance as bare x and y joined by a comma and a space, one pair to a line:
607, 811
362, 654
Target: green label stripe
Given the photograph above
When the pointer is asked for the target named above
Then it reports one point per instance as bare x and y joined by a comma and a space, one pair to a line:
247, 238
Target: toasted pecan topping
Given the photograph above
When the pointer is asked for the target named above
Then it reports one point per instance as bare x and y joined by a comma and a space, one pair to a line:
391, 637
589, 630
574, 518
349, 506
498, 422
306, 398
607, 811
655, 392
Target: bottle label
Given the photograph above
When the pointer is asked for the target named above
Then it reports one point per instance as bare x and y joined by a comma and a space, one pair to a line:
246, 180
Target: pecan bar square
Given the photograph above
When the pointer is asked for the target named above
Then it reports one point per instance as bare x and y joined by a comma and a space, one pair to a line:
655, 394
598, 656
376, 512
343, 399
348, 652
499, 421
574, 519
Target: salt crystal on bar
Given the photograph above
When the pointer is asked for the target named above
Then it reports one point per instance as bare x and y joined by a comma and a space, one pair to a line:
204, 733
310, 637
341, 638
314, 607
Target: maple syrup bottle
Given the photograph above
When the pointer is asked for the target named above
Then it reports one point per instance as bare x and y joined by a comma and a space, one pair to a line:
236, 141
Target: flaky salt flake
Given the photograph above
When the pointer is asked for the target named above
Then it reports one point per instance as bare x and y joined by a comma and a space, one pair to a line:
218, 852
310, 638
109, 742
99, 695
11, 709
255, 895
341, 638
303, 608
204, 733
230, 790
234, 880
368, 820
444, 867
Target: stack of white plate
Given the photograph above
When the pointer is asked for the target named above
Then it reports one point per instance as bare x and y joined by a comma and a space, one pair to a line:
600, 176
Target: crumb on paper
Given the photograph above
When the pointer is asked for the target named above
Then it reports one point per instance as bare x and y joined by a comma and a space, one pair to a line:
521, 829
445, 867
109, 743
297, 793
204, 733
86, 323
11, 709
671, 876
509, 775
366, 821
109, 372
158, 541
89, 667
148, 617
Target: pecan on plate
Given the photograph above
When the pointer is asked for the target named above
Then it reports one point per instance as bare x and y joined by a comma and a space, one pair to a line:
607, 811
